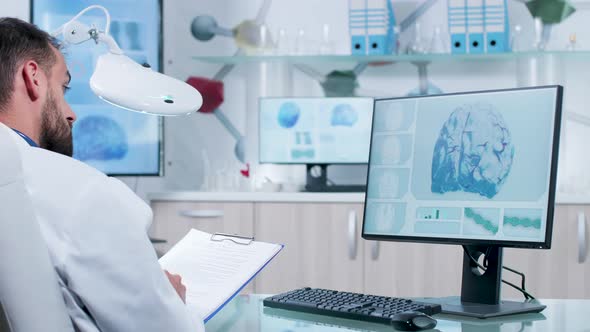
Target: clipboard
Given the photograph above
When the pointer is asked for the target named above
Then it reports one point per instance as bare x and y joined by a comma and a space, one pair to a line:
214, 274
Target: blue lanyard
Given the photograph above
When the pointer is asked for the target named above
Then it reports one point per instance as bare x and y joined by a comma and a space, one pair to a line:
26, 138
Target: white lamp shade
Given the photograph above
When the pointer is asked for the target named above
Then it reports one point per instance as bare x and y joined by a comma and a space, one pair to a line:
124, 83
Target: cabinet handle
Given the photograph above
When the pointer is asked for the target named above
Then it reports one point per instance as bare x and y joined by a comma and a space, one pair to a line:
582, 237
352, 244
201, 213
374, 250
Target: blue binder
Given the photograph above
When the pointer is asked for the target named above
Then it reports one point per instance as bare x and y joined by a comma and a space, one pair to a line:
458, 26
496, 26
475, 26
377, 22
371, 25
391, 35
357, 23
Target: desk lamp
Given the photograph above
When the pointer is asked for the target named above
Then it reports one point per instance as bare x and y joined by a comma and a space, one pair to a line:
124, 83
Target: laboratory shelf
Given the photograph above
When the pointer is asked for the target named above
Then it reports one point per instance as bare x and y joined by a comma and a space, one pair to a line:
378, 59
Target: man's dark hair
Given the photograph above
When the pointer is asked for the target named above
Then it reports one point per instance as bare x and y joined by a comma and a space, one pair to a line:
21, 41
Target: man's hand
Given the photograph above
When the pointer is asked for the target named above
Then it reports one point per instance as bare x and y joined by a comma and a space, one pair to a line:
176, 282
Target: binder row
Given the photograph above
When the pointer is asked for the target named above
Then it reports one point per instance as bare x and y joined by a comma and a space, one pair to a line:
371, 25
478, 26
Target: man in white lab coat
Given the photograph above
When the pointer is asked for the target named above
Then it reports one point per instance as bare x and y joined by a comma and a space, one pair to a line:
94, 226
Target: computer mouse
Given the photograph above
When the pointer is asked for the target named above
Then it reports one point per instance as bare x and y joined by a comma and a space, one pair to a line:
412, 321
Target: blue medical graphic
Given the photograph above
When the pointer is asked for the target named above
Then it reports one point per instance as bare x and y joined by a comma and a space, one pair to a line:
473, 153
99, 138
523, 223
289, 115
526, 218
344, 115
303, 154
485, 218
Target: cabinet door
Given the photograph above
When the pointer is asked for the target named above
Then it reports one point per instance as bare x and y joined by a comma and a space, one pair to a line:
322, 246
411, 269
172, 220
553, 273
577, 251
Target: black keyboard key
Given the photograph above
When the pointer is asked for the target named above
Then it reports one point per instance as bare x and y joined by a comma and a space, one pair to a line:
301, 303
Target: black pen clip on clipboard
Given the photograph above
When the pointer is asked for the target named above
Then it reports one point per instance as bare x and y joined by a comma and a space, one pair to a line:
237, 239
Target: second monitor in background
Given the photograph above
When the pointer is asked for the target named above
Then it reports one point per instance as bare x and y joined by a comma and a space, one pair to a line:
316, 132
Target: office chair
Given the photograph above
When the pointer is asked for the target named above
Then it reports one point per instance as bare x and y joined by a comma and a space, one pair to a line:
30, 298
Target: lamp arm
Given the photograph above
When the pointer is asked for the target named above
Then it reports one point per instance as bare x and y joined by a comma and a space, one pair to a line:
75, 32
110, 42
106, 12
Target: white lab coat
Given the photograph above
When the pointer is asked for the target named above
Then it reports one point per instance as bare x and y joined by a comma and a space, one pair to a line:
96, 232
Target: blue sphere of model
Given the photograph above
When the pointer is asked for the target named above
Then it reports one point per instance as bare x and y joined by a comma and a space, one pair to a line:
289, 115
201, 27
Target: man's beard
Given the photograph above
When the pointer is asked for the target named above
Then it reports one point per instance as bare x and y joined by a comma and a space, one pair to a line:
56, 134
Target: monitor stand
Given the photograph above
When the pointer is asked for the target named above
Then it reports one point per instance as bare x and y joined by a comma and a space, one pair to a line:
317, 181
480, 292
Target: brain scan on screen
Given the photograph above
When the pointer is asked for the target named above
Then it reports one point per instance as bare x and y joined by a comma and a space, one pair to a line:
473, 153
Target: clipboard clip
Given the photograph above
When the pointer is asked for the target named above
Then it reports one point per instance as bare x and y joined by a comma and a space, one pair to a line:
237, 239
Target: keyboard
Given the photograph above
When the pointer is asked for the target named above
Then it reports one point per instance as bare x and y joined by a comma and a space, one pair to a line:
370, 308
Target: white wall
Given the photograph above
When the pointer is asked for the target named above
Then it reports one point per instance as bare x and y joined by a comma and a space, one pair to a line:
188, 138
19, 9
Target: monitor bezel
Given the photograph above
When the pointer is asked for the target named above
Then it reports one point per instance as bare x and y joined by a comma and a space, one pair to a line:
161, 147
501, 243
322, 162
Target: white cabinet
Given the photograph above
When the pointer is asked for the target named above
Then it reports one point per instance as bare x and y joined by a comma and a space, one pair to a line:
554, 273
324, 248
322, 242
172, 220
403, 269
577, 260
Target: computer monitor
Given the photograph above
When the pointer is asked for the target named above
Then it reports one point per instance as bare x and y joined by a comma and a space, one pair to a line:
476, 169
114, 141
316, 132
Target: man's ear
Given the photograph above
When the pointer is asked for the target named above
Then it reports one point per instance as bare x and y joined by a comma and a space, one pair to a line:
32, 77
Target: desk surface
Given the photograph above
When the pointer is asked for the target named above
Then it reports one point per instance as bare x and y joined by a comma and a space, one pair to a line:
246, 313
